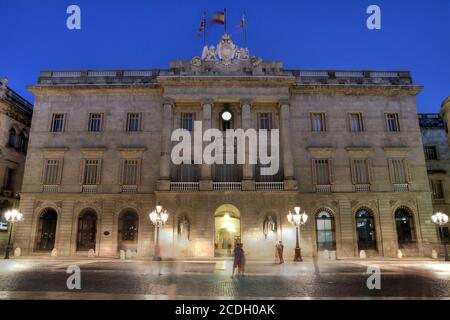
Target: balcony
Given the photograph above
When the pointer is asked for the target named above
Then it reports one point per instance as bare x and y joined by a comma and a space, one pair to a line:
89, 188
184, 186
227, 186
401, 187
129, 189
50, 188
325, 188
362, 188
269, 186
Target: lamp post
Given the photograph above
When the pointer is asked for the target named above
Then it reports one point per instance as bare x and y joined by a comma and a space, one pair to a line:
298, 219
11, 216
158, 217
440, 219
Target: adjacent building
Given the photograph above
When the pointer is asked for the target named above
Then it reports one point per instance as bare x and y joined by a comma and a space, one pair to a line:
15, 121
435, 137
351, 156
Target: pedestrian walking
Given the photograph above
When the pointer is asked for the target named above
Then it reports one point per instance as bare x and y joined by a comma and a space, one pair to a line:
239, 259
279, 249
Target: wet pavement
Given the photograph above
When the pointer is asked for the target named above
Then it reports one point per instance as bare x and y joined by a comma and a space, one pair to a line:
134, 279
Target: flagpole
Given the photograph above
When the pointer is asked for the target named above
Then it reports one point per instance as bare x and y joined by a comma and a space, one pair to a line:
244, 19
204, 29
225, 19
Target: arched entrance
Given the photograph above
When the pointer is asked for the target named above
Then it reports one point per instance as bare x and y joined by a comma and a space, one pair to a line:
45, 240
87, 231
365, 229
404, 223
227, 230
325, 231
128, 231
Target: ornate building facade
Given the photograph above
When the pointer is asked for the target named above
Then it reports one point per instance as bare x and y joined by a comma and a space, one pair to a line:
15, 121
99, 161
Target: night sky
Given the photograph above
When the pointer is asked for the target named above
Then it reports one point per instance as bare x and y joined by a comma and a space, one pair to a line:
148, 34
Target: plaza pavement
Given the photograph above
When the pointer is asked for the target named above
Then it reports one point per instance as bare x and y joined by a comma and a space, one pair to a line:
139, 279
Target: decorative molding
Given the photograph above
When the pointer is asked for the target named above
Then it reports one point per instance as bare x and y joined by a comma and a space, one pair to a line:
358, 90
359, 149
396, 149
321, 149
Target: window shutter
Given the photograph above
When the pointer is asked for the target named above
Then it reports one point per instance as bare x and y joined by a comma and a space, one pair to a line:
353, 170
44, 171
313, 171
325, 122
99, 172
369, 170
391, 170
331, 170
60, 169
138, 172
82, 170
122, 171
407, 171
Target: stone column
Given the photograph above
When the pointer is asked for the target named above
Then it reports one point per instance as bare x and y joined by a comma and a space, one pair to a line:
167, 122
206, 179
248, 182
286, 147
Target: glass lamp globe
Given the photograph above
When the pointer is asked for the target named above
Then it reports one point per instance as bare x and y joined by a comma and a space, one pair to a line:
226, 116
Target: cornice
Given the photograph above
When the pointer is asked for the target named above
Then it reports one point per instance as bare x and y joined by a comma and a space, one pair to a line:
361, 90
66, 90
359, 149
226, 81
396, 149
321, 149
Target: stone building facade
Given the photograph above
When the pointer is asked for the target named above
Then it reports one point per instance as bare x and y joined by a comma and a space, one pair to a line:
435, 137
99, 161
15, 121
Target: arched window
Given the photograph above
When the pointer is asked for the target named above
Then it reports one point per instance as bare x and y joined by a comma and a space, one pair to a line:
404, 222
21, 141
12, 138
365, 228
87, 231
128, 231
46, 234
325, 231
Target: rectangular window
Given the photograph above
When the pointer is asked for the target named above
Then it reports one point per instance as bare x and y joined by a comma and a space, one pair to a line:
3, 225
57, 122
437, 189
133, 121
130, 172
356, 123
187, 121
8, 182
322, 171
392, 123
95, 122
52, 172
360, 171
264, 121
91, 173
399, 171
318, 123
430, 153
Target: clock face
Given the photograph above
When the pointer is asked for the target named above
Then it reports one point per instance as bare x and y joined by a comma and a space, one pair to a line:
226, 116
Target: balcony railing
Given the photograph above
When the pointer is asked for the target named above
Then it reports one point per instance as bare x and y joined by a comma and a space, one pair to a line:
50, 188
184, 186
227, 186
269, 186
89, 188
401, 187
129, 189
362, 187
326, 188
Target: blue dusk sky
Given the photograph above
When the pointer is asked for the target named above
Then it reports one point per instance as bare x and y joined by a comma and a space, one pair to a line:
148, 34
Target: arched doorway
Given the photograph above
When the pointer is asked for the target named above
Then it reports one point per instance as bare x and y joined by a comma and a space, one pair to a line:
325, 231
227, 230
365, 229
46, 235
128, 230
87, 230
404, 223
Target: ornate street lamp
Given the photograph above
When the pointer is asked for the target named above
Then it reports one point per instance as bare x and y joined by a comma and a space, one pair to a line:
158, 217
441, 219
11, 216
298, 219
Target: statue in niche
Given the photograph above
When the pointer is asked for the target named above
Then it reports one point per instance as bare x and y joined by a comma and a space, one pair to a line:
269, 226
183, 228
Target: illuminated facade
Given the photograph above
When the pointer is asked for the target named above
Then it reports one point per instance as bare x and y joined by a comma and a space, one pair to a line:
351, 156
